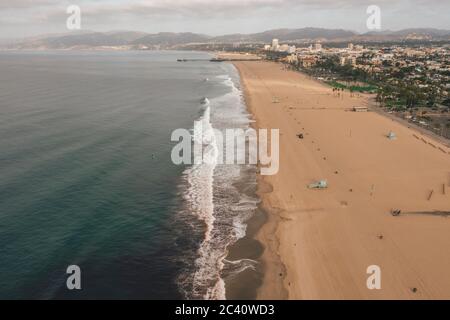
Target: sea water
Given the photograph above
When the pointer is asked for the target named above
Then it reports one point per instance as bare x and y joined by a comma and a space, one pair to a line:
86, 176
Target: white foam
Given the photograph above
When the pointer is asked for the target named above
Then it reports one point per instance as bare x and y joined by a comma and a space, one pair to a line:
214, 199
200, 176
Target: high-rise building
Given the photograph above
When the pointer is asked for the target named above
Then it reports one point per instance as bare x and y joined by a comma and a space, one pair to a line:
350, 46
275, 44
318, 46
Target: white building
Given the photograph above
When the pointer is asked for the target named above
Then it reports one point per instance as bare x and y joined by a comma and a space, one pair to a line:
348, 61
318, 47
275, 45
292, 59
283, 48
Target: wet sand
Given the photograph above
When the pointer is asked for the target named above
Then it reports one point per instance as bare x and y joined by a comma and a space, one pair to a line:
319, 243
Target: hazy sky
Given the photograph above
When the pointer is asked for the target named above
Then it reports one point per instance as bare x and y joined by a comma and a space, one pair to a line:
20, 18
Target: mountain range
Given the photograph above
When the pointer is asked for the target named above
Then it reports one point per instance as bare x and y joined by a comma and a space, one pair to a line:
91, 39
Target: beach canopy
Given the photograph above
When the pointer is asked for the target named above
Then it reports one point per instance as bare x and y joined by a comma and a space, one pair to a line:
392, 136
323, 184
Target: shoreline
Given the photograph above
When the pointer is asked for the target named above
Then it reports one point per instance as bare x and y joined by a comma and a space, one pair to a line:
246, 285
301, 259
273, 268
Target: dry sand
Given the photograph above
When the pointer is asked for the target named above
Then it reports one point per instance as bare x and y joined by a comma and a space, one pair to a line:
319, 243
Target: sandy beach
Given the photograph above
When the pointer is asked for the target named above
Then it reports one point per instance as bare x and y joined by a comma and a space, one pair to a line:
319, 243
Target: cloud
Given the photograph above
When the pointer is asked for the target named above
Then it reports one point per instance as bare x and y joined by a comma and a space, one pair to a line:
150, 14
52, 9
26, 4
194, 7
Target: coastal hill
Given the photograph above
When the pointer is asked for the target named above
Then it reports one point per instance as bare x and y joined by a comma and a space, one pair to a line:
168, 40
171, 39
288, 35
406, 34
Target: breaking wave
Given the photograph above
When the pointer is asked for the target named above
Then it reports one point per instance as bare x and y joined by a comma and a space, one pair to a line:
214, 194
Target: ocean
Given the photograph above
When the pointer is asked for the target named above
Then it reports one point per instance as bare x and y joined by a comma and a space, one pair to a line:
86, 178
